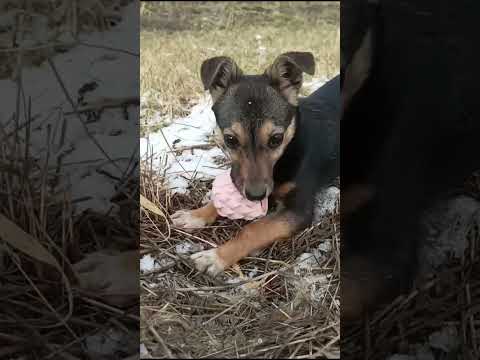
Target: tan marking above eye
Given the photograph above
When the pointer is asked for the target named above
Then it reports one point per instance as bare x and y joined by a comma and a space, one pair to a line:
290, 132
238, 131
267, 130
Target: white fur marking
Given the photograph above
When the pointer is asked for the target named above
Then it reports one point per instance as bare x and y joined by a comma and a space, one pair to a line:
208, 261
185, 220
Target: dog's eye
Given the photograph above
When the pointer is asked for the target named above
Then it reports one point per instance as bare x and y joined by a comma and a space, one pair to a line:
230, 141
275, 141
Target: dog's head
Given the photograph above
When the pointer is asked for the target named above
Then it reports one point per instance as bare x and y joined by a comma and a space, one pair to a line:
256, 115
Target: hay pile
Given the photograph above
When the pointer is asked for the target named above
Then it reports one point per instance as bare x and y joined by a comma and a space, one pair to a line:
439, 319
282, 303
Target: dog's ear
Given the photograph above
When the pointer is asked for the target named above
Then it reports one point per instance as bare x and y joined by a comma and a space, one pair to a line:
218, 73
286, 73
358, 70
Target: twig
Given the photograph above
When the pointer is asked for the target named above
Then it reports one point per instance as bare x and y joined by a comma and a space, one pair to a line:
168, 353
192, 147
108, 48
106, 104
110, 308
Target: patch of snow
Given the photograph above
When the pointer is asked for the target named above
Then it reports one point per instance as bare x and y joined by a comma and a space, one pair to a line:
148, 263
252, 273
309, 285
448, 226
188, 248
80, 157
419, 352
192, 163
305, 262
326, 246
314, 84
144, 353
446, 340
207, 198
188, 131
106, 343
325, 202
401, 357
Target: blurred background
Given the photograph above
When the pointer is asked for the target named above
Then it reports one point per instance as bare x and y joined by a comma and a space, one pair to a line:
177, 36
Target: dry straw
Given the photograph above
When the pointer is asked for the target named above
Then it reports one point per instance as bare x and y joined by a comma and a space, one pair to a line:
43, 313
269, 314
449, 298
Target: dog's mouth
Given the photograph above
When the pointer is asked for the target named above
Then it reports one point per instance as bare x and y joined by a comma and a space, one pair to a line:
252, 194
257, 197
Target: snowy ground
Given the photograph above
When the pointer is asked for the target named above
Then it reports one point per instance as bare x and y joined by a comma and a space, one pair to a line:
193, 130
59, 136
113, 76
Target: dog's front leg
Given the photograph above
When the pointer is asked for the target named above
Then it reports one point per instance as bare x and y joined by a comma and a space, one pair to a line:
254, 236
195, 219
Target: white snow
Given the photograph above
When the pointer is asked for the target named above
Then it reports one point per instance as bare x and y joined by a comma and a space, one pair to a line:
144, 353
314, 83
448, 225
148, 263
116, 78
308, 283
188, 248
325, 202
446, 340
193, 163
108, 342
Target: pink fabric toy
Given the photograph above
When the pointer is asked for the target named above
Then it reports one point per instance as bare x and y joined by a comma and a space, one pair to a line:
230, 203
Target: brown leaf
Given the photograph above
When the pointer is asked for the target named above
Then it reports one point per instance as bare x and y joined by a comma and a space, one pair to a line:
20, 240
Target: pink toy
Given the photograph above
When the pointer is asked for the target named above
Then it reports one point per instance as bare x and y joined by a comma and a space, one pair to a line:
231, 204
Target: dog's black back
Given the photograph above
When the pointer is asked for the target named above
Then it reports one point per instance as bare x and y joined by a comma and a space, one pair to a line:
411, 133
311, 160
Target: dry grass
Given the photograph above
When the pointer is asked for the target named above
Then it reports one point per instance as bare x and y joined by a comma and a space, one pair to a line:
450, 298
42, 28
43, 312
177, 36
270, 314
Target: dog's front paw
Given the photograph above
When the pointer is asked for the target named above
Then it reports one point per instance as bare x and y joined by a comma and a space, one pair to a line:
186, 220
208, 261
113, 277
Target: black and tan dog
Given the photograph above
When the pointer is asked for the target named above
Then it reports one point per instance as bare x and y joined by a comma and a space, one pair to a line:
409, 137
280, 146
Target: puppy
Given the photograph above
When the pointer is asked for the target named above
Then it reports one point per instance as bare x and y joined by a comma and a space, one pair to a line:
409, 137
280, 146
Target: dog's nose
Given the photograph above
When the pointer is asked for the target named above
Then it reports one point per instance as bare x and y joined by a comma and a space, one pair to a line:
256, 192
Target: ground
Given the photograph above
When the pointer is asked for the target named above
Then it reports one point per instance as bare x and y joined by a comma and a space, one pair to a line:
176, 38
61, 199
